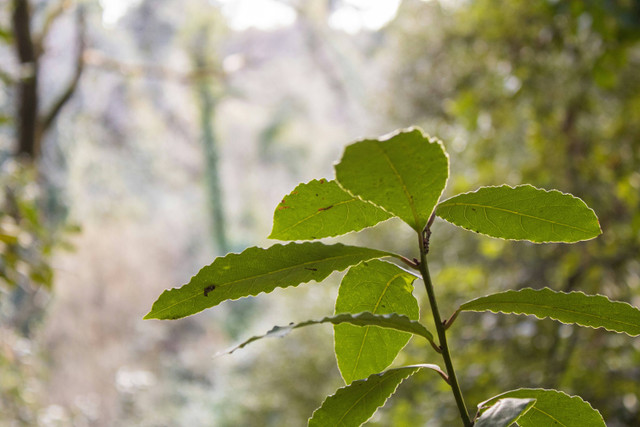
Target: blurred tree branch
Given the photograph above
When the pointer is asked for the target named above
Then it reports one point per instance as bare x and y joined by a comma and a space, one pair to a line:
100, 61
49, 20
56, 107
28, 79
29, 47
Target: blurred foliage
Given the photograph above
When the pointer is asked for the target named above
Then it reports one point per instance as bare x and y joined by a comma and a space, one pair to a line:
21, 372
28, 236
26, 242
546, 93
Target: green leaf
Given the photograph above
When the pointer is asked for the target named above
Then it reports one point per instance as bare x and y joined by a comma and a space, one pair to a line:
404, 174
552, 408
522, 213
504, 412
354, 404
377, 287
594, 311
322, 209
257, 270
391, 321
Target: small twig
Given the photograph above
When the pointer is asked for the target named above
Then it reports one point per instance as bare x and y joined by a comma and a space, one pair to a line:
102, 62
64, 97
49, 20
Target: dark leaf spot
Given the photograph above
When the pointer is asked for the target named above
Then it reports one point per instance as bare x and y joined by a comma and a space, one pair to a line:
209, 289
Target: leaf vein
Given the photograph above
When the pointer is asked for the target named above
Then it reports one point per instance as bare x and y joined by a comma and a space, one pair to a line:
516, 213
548, 415
316, 213
402, 184
375, 386
374, 311
554, 308
258, 276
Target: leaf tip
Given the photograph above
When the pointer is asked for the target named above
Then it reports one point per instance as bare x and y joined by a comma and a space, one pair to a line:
150, 315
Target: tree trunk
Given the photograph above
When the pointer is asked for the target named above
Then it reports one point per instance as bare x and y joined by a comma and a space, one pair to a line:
208, 99
27, 127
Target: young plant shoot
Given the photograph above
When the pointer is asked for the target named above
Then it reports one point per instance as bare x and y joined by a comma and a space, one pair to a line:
403, 175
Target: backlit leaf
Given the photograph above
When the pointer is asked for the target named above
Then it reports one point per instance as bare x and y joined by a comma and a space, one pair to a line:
504, 412
257, 270
320, 209
404, 174
377, 287
522, 213
595, 311
552, 408
391, 321
354, 404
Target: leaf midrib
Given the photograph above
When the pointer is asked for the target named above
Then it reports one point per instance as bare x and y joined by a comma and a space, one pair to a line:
402, 184
548, 415
378, 385
558, 309
451, 204
197, 294
317, 213
366, 328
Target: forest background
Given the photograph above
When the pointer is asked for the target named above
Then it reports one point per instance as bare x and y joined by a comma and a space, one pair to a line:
140, 139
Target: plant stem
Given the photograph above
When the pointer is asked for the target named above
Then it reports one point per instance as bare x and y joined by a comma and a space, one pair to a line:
442, 336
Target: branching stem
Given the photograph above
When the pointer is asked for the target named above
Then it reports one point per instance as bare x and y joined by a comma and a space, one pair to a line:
440, 327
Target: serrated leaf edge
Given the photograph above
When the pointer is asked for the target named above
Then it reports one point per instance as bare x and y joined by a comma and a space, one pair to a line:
415, 368
482, 411
354, 198
430, 139
530, 216
284, 330
511, 291
413, 278
234, 254
544, 389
